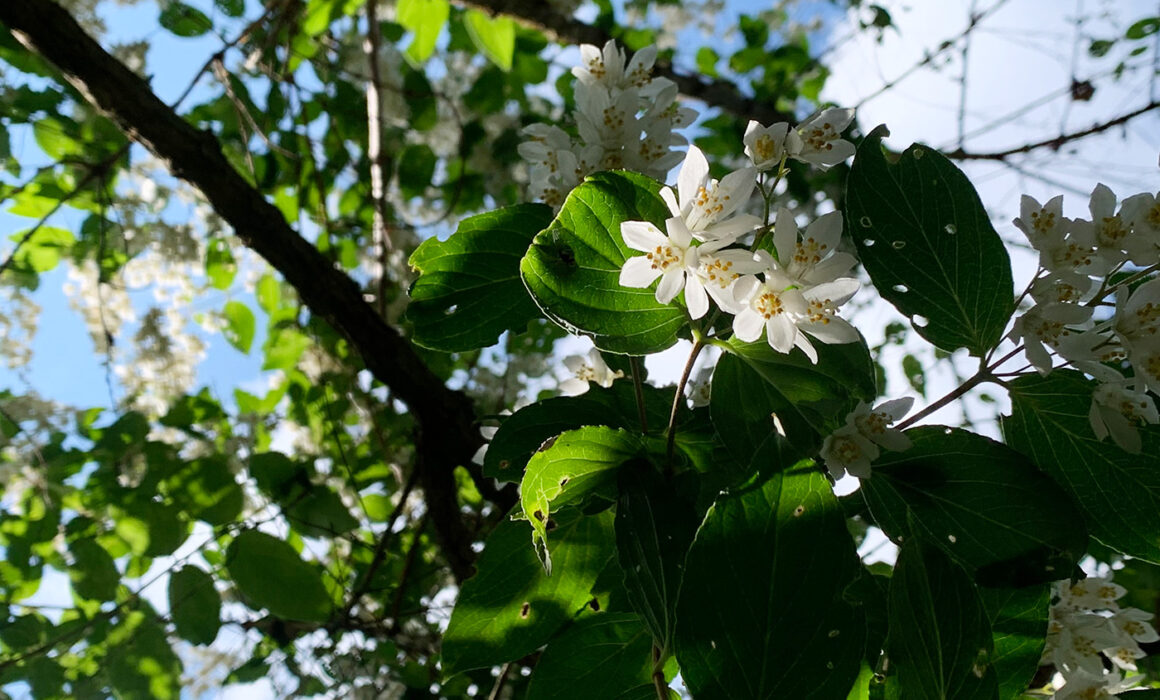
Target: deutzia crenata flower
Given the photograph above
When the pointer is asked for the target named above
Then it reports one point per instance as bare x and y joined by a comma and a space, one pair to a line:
875, 422
1061, 288
706, 204
812, 259
848, 450
822, 142
1136, 325
1084, 686
1043, 327
1117, 410
674, 258
1070, 248
608, 120
701, 387
768, 146
856, 444
1109, 232
606, 67
586, 369
1040, 222
1142, 212
719, 272
771, 306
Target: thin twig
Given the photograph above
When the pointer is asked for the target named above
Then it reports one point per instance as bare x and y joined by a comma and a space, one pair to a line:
678, 397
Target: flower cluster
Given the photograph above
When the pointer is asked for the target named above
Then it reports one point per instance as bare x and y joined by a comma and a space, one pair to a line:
586, 369
1086, 625
1083, 262
801, 282
817, 141
625, 119
856, 444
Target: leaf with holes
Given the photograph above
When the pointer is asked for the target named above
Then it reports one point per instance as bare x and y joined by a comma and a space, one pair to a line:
469, 289
1117, 492
762, 612
573, 267
940, 638
928, 245
577, 465
981, 501
511, 607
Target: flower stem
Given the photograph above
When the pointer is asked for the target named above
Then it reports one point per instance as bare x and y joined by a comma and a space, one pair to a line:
984, 374
679, 396
638, 387
658, 675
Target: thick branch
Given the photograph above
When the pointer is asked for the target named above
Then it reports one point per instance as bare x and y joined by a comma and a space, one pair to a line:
1057, 142
446, 433
564, 29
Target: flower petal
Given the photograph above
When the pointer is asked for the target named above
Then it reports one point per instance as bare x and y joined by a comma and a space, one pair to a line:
642, 236
670, 286
748, 325
694, 172
696, 298
638, 272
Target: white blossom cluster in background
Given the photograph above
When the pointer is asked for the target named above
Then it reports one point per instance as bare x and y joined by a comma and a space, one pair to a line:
1083, 263
1087, 625
18, 323
625, 118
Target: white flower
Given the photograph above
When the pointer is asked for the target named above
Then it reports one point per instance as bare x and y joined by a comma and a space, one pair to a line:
1142, 212
700, 388
719, 272
673, 258
874, 423
1048, 326
1039, 222
586, 369
1109, 230
606, 67
608, 120
1070, 248
811, 260
848, 450
705, 203
1116, 410
1061, 287
1085, 686
768, 146
772, 306
822, 143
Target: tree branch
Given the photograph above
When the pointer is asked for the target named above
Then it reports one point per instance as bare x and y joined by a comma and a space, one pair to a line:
446, 435
1054, 143
541, 16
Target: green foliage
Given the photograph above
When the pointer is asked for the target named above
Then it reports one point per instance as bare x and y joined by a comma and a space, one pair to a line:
495, 37
573, 267
512, 606
929, 246
195, 605
270, 574
425, 20
469, 289
940, 638
1019, 626
183, 20
982, 502
600, 656
1049, 423
761, 611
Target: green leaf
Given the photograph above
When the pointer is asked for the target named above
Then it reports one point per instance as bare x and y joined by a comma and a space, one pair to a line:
55, 137
42, 251
416, 168
194, 605
271, 575
574, 466
321, 513
141, 664
318, 16
707, 61
1019, 619
1143, 28
755, 382
761, 611
183, 20
425, 20
284, 345
573, 267
940, 638
220, 265
469, 289
915, 374
521, 434
240, 325
928, 245
231, 8
1117, 492
494, 37
654, 529
982, 502
268, 293
511, 606
93, 574
600, 656
207, 489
